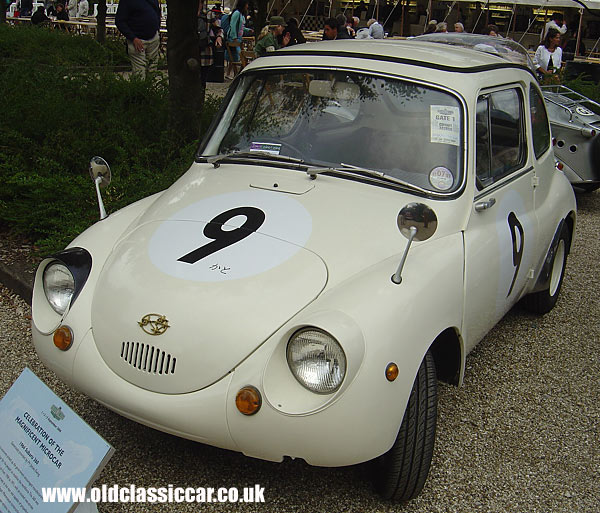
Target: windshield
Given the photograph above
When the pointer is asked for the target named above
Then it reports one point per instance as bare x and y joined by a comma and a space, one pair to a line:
343, 119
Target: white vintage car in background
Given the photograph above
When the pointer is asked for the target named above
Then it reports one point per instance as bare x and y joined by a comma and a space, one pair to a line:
359, 216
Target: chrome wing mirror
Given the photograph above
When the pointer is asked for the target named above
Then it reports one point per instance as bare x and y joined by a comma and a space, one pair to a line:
416, 221
100, 173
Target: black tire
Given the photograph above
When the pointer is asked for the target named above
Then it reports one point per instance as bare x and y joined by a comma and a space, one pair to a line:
543, 301
401, 472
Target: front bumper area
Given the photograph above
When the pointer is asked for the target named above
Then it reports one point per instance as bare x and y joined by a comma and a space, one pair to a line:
198, 416
210, 416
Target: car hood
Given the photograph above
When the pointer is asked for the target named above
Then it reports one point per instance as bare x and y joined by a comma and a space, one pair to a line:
172, 334
223, 259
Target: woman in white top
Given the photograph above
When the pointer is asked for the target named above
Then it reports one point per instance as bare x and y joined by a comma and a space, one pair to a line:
548, 56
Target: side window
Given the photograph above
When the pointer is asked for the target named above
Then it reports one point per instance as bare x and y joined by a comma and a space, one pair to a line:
500, 147
539, 122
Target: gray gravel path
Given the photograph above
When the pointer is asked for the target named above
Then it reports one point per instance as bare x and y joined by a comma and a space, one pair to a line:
522, 434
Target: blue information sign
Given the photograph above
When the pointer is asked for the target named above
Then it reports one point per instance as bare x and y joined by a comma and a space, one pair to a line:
43, 444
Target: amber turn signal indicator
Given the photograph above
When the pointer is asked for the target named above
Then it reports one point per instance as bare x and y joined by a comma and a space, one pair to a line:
391, 371
63, 338
248, 400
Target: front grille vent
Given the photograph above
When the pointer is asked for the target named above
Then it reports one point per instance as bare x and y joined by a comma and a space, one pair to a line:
148, 358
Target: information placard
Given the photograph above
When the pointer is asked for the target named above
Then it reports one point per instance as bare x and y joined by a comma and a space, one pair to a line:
43, 444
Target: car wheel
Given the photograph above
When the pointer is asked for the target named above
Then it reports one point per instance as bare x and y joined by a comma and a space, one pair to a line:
401, 472
543, 301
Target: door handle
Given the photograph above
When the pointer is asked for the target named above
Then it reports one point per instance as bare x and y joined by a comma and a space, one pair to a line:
484, 205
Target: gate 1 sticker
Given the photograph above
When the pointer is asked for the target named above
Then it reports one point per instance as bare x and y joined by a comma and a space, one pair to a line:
441, 178
445, 124
230, 236
272, 148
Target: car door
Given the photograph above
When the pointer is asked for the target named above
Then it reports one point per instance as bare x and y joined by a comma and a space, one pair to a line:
501, 233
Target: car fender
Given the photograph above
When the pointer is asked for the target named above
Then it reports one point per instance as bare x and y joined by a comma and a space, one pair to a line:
98, 240
391, 323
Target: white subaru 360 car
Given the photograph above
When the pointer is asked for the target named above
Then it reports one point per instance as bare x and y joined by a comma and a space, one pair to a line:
358, 217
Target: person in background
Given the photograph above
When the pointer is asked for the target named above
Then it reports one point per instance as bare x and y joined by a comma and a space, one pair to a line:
350, 26
442, 26
61, 14
330, 31
491, 30
375, 29
294, 32
26, 7
39, 16
83, 9
548, 56
72, 8
50, 8
343, 32
459, 27
215, 12
237, 22
360, 8
210, 36
557, 22
570, 47
267, 40
139, 22
431, 26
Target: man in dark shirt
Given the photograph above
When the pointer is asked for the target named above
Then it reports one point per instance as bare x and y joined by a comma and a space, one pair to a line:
139, 22
334, 31
26, 7
39, 16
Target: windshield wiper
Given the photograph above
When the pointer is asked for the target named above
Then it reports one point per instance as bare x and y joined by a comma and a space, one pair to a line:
263, 155
357, 170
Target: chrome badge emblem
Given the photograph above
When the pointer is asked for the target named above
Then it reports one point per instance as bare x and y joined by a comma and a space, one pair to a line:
154, 324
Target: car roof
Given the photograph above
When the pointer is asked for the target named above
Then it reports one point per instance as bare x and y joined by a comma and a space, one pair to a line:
410, 51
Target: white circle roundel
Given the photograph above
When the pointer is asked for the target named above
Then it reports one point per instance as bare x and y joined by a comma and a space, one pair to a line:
441, 178
230, 236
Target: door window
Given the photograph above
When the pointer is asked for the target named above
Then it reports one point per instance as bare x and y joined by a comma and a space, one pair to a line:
539, 122
500, 142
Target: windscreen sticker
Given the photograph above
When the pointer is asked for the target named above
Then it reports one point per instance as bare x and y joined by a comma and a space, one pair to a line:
445, 124
272, 148
441, 178
230, 236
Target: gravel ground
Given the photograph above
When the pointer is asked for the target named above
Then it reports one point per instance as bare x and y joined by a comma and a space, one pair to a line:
521, 435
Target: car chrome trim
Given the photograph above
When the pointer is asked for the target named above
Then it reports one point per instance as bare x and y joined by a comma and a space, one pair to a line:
79, 263
508, 179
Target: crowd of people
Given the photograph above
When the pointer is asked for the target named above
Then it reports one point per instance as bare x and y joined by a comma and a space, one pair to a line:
139, 22
64, 10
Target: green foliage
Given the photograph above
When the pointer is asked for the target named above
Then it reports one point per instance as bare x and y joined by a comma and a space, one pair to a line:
60, 110
585, 87
45, 46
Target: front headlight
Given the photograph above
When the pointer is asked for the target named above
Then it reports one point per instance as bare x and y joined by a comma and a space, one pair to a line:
316, 360
59, 286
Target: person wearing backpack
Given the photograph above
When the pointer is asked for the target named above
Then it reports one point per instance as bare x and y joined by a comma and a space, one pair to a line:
210, 35
235, 28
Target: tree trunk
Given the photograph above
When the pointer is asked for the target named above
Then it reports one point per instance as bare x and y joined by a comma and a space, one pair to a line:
183, 59
3, 8
261, 16
101, 22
